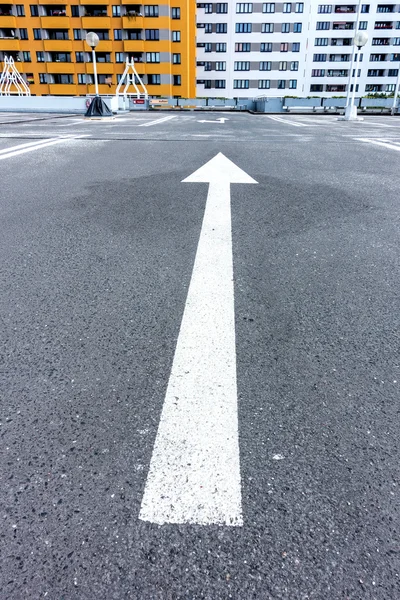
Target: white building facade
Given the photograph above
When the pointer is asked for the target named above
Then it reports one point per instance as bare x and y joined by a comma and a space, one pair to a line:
248, 49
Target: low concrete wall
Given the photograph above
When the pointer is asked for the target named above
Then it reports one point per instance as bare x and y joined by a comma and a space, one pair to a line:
47, 104
266, 104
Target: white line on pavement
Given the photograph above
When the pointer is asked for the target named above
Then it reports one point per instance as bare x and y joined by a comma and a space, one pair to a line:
194, 474
23, 148
295, 124
157, 121
378, 143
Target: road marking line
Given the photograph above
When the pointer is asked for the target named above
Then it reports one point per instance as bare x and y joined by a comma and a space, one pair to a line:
377, 143
194, 475
157, 121
295, 124
27, 145
37, 146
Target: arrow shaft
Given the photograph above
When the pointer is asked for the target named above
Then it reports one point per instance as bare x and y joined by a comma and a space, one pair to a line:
194, 474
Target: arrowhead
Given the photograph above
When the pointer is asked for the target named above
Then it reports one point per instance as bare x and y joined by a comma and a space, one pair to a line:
217, 170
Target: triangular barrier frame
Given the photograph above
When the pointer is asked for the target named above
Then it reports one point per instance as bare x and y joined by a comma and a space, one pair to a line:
9, 77
128, 79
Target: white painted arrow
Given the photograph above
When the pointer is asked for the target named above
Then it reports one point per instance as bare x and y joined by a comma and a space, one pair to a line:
220, 120
194, 474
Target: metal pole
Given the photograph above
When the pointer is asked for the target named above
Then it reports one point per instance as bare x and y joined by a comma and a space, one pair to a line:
353, 93
353, 55
396, 92
95, 71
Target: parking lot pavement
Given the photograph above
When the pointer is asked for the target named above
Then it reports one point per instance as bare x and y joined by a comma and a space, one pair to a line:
199, 363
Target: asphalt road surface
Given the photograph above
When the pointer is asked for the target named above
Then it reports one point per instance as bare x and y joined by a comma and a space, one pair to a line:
178, 424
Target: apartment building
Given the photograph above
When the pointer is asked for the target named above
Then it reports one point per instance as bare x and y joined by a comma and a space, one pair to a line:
247, 49
47, 42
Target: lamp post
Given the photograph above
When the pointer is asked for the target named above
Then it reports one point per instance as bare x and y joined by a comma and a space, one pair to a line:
92, 39
360, 39
396, 92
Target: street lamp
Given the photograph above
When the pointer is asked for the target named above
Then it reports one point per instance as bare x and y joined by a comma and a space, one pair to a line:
92, 39
360, 39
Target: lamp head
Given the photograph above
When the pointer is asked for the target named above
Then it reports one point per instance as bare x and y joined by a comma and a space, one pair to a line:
360, 39
92, 39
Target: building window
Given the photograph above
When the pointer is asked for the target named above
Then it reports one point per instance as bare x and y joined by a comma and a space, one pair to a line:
42, 77
151, 10
241, 84
34, 10
299, 7
176, 59
266, 47
319, 57
269, 7
152, 34
297, 27
74, 10
77, 34
81, 78
26, 56
176, 36
318, 73
296, 47
221, 7
208, 8
321, 41
208, 66
221, 27
116, 10
292, 84
152, 57
363, 25
265, 66
40, 56
244, 7
393, 72
242, 47
243, 28
175, 13
324, 8
208, 28
283, 66
396, 41
20, 10
284, 47
154, 79
37, 34
177, 80
79, 57
323, 25
220, 83
365, 8
220, 66
294, 66
281, 84
207, 84
264, 84
267, 28
220, 47
117, 34
23, 34
241, 66
287, 7
390, 87
285, 27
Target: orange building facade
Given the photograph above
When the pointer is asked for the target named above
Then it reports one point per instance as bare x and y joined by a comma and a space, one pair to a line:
47, 42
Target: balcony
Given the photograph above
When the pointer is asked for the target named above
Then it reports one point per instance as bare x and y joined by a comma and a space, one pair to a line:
341, 42
336, 88
54, 22
348, 8
337, 73
9, 44
96, 2
94, 23
378, 57
101, 68
339, 57
132, 22
8, 22
343, 26
96, 11
386, 25
133, 46
104, 46
57, 45
62, 89
375, 72
386, 8
60, 67
380, 41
